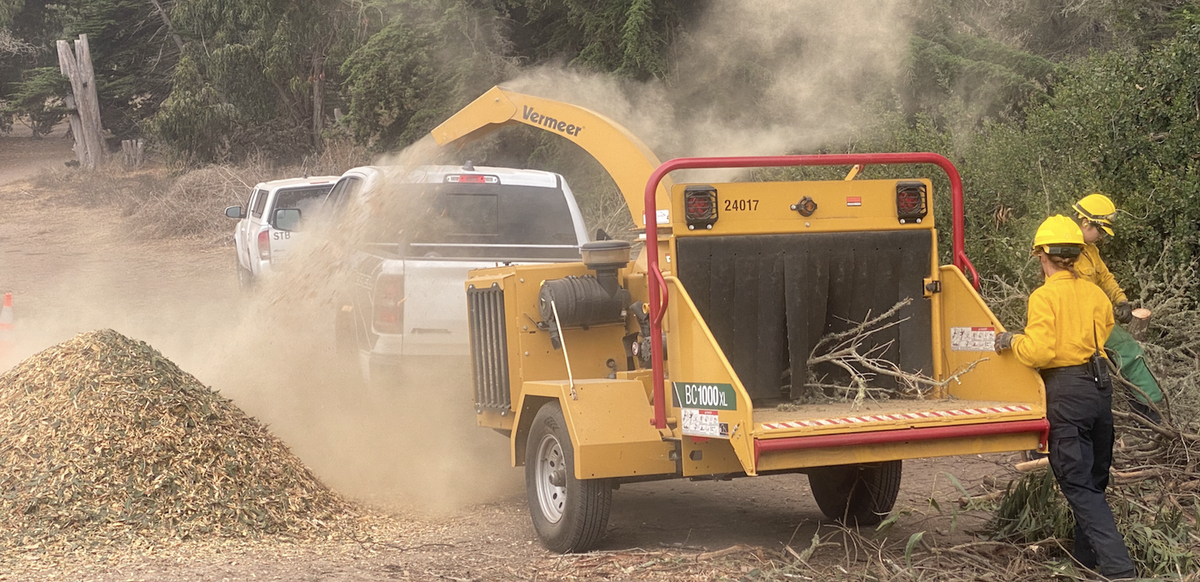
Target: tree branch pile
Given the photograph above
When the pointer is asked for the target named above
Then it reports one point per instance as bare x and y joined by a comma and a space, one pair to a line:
1173, 343
862, 361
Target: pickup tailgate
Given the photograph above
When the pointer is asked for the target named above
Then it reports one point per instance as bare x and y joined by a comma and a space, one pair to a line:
435, 301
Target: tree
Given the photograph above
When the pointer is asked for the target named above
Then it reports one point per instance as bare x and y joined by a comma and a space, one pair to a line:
429, 59
264, 65
630, 38
38, 98
130, 55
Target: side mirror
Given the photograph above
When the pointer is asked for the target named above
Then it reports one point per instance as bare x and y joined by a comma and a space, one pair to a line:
234, 212
287, 219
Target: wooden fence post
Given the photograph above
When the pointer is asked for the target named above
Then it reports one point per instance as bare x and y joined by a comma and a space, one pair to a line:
85, 120
76, 129
131, 152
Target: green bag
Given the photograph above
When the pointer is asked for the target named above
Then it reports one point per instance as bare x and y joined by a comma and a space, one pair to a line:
1131, 360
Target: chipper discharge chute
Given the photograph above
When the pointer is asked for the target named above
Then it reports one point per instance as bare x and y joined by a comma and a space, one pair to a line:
676, 364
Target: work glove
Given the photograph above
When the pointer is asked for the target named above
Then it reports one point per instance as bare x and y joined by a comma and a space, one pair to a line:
1003, 341
1123, 312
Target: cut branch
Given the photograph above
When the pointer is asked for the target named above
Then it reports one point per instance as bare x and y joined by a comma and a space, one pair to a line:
848, 351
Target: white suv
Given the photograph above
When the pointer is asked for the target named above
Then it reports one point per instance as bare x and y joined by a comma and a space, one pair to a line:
268, 225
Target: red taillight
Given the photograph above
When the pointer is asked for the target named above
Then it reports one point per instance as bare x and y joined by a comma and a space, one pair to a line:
911, 202
389, 304
700, 206
264, 246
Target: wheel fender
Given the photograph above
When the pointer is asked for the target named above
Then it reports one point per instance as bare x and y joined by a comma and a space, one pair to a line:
520, 434
609, 425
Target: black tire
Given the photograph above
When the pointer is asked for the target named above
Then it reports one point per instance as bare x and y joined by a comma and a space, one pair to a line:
856, 495
569, 514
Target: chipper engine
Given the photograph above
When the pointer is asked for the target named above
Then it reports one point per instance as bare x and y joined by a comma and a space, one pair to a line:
692, 360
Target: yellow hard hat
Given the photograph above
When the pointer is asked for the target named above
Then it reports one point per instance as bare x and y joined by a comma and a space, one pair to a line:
1097, 209
1059, 235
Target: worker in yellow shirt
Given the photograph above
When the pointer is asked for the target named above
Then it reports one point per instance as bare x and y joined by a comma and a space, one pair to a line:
1096, 214
1067, 323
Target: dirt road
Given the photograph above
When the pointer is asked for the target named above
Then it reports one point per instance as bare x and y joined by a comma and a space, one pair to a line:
448, 505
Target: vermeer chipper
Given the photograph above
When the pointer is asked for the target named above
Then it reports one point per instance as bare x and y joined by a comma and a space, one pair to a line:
611, 371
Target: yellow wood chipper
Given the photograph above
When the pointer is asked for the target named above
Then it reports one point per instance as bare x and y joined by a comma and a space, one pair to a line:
675, 365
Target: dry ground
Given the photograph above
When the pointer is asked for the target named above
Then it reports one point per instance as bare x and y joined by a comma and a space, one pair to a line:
441, 500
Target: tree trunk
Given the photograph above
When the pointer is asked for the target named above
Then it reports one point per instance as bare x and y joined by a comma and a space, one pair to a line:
318, 96
167, 22
77, 66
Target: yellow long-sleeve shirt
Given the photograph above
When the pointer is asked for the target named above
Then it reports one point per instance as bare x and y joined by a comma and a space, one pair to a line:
1068, 318
1091, 267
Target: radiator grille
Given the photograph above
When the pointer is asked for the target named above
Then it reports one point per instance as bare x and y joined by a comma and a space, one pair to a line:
489, 348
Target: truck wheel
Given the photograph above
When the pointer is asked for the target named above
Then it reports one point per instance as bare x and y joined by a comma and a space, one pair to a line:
856, 494
569, 514
244, 278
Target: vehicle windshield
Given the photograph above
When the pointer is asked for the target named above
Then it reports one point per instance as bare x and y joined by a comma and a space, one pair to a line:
484, 221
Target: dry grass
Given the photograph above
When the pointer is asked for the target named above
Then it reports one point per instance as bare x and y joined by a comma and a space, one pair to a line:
164, 203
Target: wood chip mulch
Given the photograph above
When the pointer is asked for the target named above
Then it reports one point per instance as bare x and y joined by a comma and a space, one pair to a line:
103, 441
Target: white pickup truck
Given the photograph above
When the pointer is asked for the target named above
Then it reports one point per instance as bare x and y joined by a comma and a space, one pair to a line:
268, 225
407, 300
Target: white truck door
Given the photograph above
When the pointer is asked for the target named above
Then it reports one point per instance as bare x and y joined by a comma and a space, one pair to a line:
241, 237
254, 225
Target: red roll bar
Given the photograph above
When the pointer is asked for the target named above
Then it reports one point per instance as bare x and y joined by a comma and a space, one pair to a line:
657, 287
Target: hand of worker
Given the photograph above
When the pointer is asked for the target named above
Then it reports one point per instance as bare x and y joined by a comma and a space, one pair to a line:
1003, 341
1123, 312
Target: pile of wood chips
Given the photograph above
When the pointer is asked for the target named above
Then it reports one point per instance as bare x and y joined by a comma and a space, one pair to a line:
103, 440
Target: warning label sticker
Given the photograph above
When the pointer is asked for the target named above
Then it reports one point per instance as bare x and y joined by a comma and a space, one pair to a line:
703, 423
660, 216
973, 339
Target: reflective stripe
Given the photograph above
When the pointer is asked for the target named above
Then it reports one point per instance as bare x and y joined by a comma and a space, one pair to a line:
921, 415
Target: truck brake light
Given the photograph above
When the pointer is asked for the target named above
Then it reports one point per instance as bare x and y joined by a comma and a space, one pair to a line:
700, 206
264, 246
911, 201
389, 304
471, 179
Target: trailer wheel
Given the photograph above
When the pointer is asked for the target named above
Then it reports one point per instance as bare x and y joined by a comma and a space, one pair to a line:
569, 514
856, 494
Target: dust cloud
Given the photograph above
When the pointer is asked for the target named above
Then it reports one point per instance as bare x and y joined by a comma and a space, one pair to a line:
409, 443
410, 446
756, 77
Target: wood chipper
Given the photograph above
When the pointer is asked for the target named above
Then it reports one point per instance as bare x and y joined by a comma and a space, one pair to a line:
675, 365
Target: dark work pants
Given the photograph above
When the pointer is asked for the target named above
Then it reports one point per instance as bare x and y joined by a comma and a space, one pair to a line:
1081, 442
1144, 411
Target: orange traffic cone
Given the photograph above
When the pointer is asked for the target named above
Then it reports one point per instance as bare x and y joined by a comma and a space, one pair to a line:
6, 324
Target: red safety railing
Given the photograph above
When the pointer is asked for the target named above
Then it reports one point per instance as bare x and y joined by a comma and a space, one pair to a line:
1040, 426
657, 285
